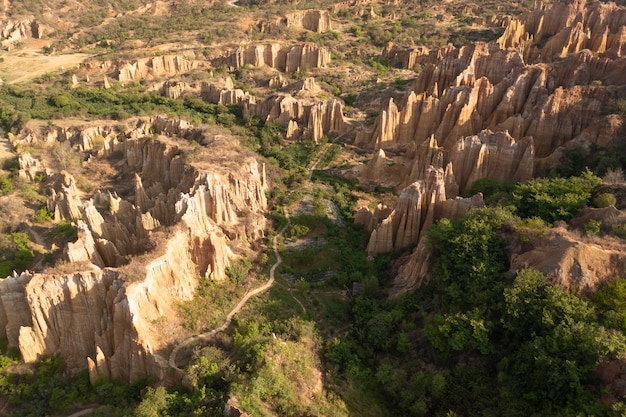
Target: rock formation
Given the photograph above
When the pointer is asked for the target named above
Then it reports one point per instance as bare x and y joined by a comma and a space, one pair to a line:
572, 261
99, 311
568, 27
126, 71
486, 155
404, 57
316, 117
314, 20
284, 58
12, 31
413, 211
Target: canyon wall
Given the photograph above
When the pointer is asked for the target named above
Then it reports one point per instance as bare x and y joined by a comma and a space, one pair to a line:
13, 31
314, 20
150, 68
295, 107
284, 58
111, 307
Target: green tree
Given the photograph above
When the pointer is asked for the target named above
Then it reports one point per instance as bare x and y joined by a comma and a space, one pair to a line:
154, 403
554, 198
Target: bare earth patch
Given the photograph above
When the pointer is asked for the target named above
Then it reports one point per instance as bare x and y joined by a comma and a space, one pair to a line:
29, 62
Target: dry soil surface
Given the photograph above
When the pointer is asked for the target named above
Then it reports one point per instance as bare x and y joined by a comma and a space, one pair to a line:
29, 62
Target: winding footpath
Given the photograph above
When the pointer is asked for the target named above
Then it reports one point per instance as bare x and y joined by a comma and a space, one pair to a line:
206, 337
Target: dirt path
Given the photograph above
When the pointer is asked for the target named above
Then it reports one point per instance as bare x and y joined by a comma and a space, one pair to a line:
318, 159
321, 154
84, 412
205, 337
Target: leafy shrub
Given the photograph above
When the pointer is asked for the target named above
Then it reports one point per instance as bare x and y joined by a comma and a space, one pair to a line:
592, 227
619, 230
6, 185
534, 227
298, 230
30, 194
610, 300
604, 200
493, 190
238, 272
15, 253
554, 199
11, 164
470, 254
42, 215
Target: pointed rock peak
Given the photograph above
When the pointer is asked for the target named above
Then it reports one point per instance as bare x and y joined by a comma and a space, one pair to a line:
228, 83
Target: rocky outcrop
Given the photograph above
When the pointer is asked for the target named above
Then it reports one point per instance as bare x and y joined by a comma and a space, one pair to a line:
284, 58
552, 32
549, 91
223, 91
537, 101
404, 57
30, 168
150, 68
416, 271
13, 31
317, 117
486, 155
100, 310
574, 262
304, 115
491, 155
413, 212
314, 20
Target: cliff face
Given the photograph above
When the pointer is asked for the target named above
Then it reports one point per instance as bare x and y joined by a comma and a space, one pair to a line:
418, 207
314, 20
537, 100
103, 315
306, 115
151, 68
569, 27
12, 31
545, 94
284, 58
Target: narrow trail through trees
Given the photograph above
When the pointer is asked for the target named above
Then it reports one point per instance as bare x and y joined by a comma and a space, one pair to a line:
207, 336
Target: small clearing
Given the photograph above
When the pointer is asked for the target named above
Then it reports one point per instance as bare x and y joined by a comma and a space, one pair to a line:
29, 62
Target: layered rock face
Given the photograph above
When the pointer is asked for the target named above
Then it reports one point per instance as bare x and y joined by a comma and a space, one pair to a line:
145, 68
187, 223
304, 115
417, 208
284, 58
12, 31
512, 86
314, 20
569, 27
485, 155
